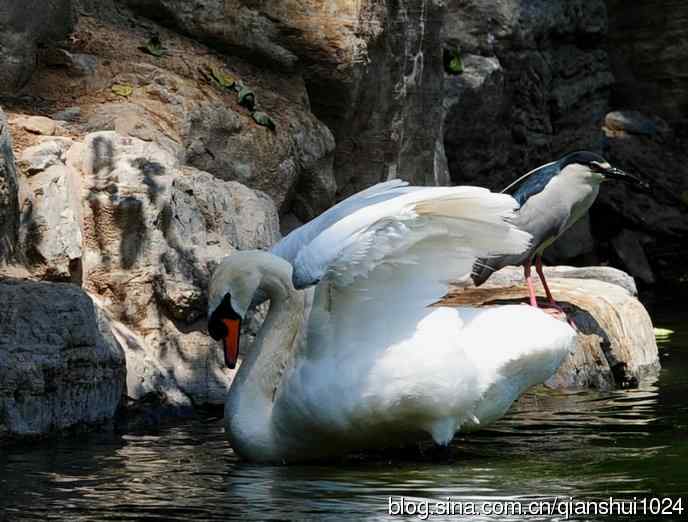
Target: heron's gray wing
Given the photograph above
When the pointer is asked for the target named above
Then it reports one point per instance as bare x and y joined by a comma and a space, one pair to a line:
289, 247
533, 182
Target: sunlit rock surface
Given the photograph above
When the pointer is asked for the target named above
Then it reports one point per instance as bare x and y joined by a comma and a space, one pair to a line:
141, 233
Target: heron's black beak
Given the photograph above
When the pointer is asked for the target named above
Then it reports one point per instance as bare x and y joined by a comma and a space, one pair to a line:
614, 173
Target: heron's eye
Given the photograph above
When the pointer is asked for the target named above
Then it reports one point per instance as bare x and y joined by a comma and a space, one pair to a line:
597, 167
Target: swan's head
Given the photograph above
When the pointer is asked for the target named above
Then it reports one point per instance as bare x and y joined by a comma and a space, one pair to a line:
233, 286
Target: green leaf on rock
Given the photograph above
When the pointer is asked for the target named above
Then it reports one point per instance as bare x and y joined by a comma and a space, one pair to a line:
453, 64
456, 65
123, 89
153, 47
263, 119
247, 98
224, 80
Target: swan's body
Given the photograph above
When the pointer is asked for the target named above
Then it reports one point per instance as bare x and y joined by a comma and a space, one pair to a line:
364, 359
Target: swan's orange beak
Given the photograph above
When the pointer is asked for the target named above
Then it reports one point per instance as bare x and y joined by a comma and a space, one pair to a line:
231, 342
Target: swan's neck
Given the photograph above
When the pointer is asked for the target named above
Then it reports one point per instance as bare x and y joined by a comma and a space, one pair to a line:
248, 408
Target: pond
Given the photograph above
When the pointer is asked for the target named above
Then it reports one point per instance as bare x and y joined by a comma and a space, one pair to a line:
586, 444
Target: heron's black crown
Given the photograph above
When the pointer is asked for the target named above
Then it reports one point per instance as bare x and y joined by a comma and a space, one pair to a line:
582, 157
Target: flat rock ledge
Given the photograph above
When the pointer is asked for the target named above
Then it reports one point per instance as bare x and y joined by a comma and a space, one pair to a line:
616, 345
60, 366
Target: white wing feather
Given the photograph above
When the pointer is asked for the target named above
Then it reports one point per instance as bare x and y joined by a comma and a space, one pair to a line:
377, 358
290, 246
471, 221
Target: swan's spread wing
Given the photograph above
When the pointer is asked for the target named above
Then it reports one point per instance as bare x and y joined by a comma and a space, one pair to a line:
440, 230
289, 247
380, 360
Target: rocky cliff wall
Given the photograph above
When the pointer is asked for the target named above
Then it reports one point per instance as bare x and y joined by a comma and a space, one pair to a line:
648, 51
373, 71
536, 83
8, 193
542, 79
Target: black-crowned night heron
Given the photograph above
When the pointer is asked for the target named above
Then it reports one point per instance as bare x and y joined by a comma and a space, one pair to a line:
552, 198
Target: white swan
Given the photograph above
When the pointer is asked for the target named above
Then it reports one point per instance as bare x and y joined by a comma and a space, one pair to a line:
364, 359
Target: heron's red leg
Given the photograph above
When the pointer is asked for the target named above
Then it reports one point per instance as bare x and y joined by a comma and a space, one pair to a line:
552, 302
538, 269
529, 282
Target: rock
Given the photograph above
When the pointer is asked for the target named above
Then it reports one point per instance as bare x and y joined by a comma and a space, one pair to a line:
9, 203
50, 225
146, 374
37, 125
630, 249
70, 114
219, 141
374, 73
23, 26
60, 366
78, 64
141, 233
616, 346
658, 215
648, 53
152, 231
128, 119
83, 64
46, 154
605, 274
632, 122
289, 223
535, 85
200, 237
205, 128
511, 275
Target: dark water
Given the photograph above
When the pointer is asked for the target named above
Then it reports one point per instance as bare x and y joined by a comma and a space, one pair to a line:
587, 445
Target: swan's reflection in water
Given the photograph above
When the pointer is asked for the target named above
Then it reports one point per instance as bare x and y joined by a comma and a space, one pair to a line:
585, 444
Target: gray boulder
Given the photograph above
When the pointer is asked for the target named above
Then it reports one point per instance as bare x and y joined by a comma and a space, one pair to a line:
9, 206
23, 25
511, 275
60, 366
632, 122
